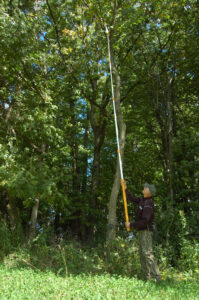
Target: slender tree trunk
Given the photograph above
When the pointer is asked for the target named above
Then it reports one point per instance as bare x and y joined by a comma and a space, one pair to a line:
99, 135
164, 115
84, 180
13, 215
74, 151
170, 143
85, 161
96, 166
112, 219
170, 157
15, 220
33, 220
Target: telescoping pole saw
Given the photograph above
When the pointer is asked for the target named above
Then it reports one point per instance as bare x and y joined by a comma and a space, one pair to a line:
117, 134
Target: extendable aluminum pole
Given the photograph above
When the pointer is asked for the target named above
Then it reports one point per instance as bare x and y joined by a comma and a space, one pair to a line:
117, 133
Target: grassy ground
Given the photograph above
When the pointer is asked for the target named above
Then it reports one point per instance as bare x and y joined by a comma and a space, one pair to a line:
74, 272
31, 283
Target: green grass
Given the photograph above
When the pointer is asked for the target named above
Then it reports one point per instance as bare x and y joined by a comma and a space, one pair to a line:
28, 283
74, 272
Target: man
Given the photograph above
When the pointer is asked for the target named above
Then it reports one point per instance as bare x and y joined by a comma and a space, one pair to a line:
144, 226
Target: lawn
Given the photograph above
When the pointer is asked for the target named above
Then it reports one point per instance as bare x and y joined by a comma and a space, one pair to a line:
31, 283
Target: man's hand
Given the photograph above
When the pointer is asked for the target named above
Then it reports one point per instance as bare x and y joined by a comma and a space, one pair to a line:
127, 224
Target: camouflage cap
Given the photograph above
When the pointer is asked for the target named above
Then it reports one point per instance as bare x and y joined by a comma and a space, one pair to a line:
151, 188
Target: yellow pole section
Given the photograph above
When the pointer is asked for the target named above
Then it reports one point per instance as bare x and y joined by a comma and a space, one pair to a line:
125, 203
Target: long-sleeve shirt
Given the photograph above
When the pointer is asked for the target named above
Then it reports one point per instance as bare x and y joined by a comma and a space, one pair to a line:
145, 212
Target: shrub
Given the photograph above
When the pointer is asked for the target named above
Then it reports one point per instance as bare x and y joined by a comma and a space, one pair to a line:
123, 257
189, 259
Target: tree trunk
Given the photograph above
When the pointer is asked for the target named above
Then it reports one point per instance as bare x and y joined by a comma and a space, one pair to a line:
99, 135
33, 220
112, 219
84, 180
13, 215
74, 150
85, 161
170, 143
165, 116
15, 220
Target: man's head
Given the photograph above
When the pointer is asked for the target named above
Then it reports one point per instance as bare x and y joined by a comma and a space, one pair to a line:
149, 190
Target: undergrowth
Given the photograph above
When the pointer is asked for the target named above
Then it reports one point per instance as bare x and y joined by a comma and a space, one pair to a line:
69, 270
72, 258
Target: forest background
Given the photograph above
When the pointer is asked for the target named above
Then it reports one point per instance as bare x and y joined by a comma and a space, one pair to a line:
59, 175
